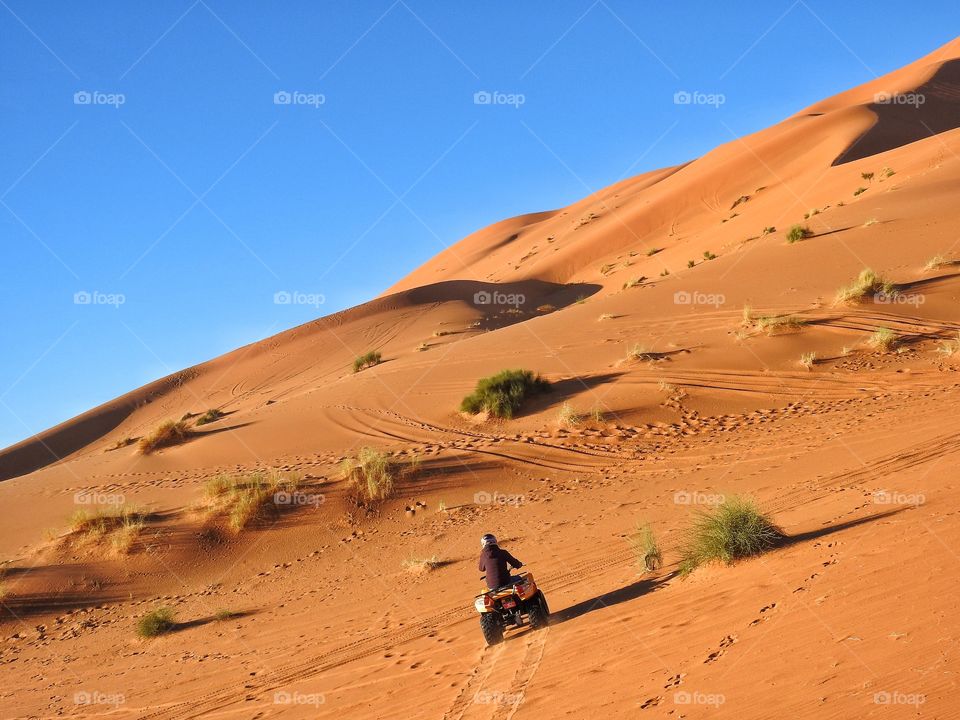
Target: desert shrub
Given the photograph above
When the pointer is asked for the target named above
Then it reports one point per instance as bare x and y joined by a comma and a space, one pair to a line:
707, 255
867, 283
567, 416
882, 339
156, 622
368, 359
123, 442
242, 499
417, 564
605, 316
211, 415
641, 352
167, 433
868, 176
769, 230
808, 360
653, 251
502, 394
733, 530
771, 324
119, 526
950, 347
222, 615
691, 263
937, 261
887, 172
797, 233
372, 473
646, 548
859, 191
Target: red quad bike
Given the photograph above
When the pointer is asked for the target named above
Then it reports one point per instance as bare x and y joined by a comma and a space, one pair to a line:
506, 606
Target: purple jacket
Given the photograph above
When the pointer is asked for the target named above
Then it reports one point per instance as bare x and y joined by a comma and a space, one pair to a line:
493, 562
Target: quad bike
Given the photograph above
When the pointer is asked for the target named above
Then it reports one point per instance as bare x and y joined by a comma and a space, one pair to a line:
506, 606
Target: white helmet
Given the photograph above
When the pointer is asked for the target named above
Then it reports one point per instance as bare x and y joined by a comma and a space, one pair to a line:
488, 539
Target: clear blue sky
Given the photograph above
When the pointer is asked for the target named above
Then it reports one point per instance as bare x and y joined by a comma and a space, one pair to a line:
198, 197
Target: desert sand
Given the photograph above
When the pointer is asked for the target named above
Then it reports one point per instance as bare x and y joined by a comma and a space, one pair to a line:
853, 452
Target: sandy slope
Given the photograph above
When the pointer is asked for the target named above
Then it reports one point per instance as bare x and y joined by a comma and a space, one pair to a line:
856, 617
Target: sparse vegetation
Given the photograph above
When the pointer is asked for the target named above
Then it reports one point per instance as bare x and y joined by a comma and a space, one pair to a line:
691, 263
653, 251
123, 442
156, 622
936, 262
567, 416
422, 346
211, 415
222, 615
707, 255
664, 272
882, 339
633, 282
731, 531
546, 308
419, 565
243, 499
606, 268
797, 233
606, 316
859, 191
770, 229
367, 360
887, 172
640, 352
372, 472
581, 299
170, 432
597, 414
772, 324
119, 526
808, 360
868, 176
950, 347
867, 283
502, 394
870, 221
646, 548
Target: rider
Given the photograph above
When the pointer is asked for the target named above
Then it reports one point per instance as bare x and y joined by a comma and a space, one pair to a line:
494, 561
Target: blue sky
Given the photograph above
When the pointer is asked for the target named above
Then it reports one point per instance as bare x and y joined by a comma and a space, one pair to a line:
148, 161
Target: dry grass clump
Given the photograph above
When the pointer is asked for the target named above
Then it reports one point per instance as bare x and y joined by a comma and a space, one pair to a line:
367, 360
646, 548
243, 499
733, 530
156, 622
568, 417
372, 472
808, 360
120, 527
867, 283
949, 347
797, 233
123, 442
772, 324
606, 316
882, 339
936, 262
420, 565
641, 352
167, 433
211, 415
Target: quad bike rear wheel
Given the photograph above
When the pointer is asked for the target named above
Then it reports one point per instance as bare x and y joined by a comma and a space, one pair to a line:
539, 612
492, 628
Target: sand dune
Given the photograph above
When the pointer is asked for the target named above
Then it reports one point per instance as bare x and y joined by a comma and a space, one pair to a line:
851, 452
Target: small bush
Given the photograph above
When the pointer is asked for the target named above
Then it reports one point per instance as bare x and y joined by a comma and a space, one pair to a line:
567, 416
242, 499
605, 316
653, 251
870, 222
640, 352
646, 548
211, 415
772, 324
867, 283
868, 176
797, 233
156, 622
420, 565
664, 272
502, 394
887, 172
222, 615
367, 360
808, 360
123, 442
707, 255
691, 263
937, 261
164, 435
372, 473
882, 339
949, 347
769, 230
733, 530
120, 526
859, 191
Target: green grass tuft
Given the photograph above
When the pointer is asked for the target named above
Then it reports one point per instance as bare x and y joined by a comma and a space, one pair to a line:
367, 360
156, 622
731, 531
502, 394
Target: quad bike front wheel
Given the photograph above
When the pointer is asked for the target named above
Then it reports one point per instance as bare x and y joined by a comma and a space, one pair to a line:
539, 612
492, 628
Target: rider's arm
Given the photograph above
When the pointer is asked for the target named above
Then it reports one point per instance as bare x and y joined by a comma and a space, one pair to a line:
513, 561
